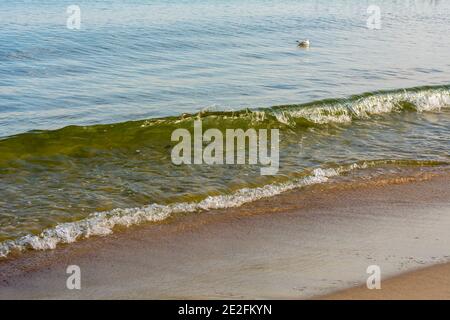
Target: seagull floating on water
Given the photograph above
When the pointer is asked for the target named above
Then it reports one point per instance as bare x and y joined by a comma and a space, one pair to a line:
303, 44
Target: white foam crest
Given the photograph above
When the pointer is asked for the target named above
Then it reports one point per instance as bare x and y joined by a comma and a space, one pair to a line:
103, 223
323, 114
362, 108
431, 101
372, 105
340, 111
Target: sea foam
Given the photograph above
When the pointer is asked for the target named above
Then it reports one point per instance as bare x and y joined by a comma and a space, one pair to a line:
103, 223
346, 110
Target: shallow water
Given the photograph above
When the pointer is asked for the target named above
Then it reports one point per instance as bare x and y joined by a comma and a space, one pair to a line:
154, 62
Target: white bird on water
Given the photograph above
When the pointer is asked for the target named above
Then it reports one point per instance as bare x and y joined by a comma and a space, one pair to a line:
303, 44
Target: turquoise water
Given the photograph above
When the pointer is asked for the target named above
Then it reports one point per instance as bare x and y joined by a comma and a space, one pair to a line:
87, 115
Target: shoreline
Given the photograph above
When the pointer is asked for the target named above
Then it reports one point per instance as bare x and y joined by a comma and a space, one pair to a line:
301, 244
429, 283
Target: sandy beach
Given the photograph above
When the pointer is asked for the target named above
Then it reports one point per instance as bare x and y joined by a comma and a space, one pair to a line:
428, 283
302, 244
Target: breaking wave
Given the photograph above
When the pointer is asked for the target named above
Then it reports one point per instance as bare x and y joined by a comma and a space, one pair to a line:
103, 223
112, 160
363, 106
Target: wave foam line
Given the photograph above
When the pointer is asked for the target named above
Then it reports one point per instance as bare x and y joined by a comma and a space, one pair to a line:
103, 223
345, 110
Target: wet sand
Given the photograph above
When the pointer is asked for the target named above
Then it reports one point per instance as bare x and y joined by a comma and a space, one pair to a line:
301, 244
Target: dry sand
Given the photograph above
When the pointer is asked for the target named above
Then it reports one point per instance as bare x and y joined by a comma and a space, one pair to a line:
428, 283
301, 244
